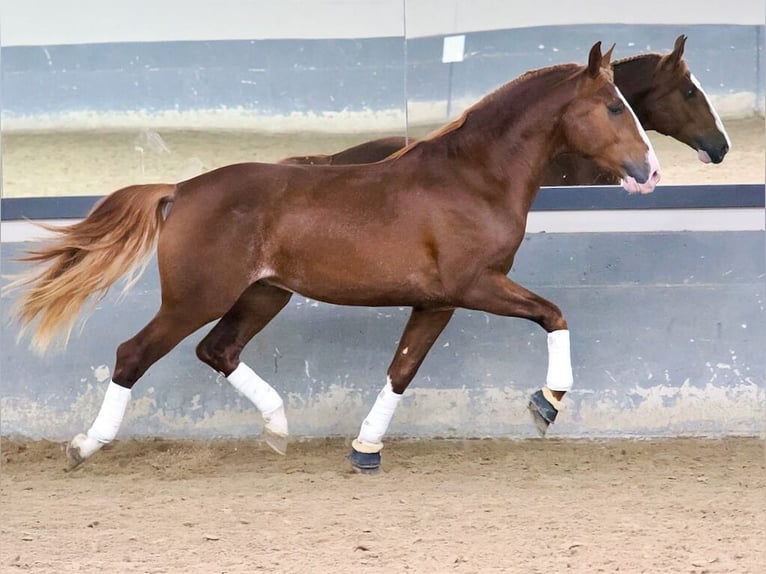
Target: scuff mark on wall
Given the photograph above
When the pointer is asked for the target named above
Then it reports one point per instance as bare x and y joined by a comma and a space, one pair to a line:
650, 411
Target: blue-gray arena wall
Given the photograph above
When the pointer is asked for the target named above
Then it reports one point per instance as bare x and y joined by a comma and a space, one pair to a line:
45, 84
667, 327
667, 330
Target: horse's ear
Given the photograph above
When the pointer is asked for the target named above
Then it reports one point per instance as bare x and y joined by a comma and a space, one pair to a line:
594, 60
606, 59
678, 50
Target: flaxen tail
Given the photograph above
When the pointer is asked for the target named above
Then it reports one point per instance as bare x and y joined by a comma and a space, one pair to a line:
87, 258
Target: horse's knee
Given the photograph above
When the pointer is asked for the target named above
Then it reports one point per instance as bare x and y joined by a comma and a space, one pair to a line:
558, 323
401, 375
552, 319
220, 357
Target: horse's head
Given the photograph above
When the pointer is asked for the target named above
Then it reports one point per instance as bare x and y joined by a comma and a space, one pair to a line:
675, 105
599, 124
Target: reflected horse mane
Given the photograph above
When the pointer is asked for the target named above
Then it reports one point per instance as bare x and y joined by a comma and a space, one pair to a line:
638, 75
506, 92
646, 56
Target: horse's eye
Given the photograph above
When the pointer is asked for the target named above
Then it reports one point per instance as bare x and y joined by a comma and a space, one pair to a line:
616, 108
690, 92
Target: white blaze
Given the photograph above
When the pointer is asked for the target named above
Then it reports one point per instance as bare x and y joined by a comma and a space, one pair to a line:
629, 183
718, 122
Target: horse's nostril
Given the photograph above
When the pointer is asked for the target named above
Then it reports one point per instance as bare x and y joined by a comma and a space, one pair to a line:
720, 153
641, 172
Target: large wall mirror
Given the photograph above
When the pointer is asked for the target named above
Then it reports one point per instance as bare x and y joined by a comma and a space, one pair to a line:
92, 102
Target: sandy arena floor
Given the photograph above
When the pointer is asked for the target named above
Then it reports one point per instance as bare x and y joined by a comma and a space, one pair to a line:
96, 163
537, 506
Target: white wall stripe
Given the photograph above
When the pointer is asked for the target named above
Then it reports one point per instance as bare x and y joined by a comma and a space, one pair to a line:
50, 22
587, 221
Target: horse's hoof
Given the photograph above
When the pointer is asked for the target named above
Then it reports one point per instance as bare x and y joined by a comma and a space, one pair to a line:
543, 412
81, 448
275, 430
74, 456
365, 462
277, 441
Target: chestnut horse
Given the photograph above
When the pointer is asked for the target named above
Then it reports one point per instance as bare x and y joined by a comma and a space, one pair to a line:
661, 90
434, 228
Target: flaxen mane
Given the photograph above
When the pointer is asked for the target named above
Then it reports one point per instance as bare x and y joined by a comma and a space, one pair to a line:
555, 73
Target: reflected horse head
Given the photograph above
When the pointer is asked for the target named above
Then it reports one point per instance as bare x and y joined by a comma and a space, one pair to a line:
668, 98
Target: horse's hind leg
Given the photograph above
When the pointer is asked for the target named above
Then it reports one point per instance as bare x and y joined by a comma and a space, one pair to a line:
221, 350
422, 330
134, 357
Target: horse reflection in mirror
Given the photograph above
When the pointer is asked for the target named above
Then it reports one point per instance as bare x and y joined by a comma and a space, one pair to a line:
435, 228
662, 91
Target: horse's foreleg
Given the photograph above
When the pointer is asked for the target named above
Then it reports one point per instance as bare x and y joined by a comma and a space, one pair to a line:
422, 330
499, 295
134, 357
221, 350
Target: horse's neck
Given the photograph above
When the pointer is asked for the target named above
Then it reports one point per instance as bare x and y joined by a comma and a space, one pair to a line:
523, 144
634, 79
508, 137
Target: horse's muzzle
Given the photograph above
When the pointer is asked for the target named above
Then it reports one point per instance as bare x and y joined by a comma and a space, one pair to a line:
642, 177
712, 147
713, 154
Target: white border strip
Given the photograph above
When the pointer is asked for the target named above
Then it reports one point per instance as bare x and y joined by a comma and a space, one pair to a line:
445, 17
51, 22
419, 113
640, 220
596, 221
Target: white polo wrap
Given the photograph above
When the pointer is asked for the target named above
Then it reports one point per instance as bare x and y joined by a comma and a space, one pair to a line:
265, 398
559, 361
107, 423
377, 421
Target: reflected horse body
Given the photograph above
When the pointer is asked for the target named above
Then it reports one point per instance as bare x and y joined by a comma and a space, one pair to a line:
367, 152
435, 227
661, 90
